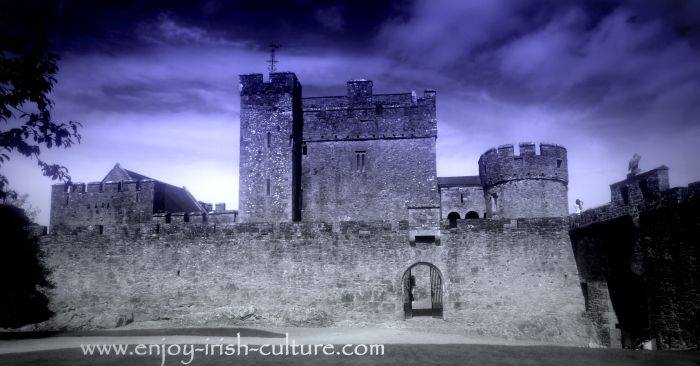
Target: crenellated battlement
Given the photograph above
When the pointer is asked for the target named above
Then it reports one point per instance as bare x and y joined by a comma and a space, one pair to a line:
501, 164
637, 199
196, 228
102, 187
279, 83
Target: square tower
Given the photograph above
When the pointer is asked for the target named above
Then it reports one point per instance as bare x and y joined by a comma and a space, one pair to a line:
270, 148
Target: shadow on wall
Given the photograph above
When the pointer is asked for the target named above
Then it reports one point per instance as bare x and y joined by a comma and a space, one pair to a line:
22, 274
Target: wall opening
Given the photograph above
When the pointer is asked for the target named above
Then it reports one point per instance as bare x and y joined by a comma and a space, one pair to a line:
267, 186
269, 140
559, 162
168, 218
422, 291
625, 193
425, 238
471, 215
453, 217
646, 192
186, 217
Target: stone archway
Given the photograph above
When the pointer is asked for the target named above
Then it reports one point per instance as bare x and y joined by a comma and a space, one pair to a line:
420, 280
453, 217
471, 215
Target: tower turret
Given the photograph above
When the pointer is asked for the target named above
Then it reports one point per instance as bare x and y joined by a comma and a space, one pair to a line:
270, 148
525, 185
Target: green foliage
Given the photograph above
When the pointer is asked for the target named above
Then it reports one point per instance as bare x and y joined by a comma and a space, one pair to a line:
27, 77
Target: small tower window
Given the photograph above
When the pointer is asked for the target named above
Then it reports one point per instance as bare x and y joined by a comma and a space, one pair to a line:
119, 186
168, 218
360, 161
559, 161
461, 197
186, 217
267, 186
269, 140
138, 185
304, 149
494, 202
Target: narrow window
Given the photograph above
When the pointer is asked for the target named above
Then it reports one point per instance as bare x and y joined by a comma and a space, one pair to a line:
102, 187
137, 197
100, 228
138, 185
119, 186
269, 140
559, 161
267, 186
186, 218
168, 218
360, 161
303, 149
205, 217
67, 198
461, 197
494, 202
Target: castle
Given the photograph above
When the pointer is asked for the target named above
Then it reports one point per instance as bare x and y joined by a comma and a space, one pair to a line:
342, 219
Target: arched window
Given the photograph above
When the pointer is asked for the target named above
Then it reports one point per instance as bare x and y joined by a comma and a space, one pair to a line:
471, 215
453, 217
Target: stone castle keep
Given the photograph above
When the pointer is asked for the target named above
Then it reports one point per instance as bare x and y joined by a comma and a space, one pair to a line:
342, 220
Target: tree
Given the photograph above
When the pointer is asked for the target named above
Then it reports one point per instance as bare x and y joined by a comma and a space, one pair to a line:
23, 277
27, 77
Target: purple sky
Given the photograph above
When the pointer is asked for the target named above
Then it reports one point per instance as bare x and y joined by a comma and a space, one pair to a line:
156, 88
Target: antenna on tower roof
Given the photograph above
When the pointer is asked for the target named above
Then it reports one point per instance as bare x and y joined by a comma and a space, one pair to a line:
273, 60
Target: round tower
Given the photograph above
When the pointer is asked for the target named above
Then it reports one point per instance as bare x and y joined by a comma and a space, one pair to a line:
530, 184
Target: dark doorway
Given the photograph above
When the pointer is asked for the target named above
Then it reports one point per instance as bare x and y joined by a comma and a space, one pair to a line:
422, 291
471, 215
453, 217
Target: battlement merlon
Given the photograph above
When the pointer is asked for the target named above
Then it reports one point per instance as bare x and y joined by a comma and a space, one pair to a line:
280, 83
501, 164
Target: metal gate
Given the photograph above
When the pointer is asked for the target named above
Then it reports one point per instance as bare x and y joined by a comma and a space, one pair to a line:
407, 294
436, 292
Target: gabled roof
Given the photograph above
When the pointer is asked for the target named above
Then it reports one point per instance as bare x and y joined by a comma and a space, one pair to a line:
469, 180
167, 197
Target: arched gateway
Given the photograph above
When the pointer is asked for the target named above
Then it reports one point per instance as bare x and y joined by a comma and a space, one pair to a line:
419, 280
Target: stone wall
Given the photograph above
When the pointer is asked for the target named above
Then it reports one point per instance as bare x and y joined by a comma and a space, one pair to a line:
462, 200
646, 254
368, 179
117, 203
511, 279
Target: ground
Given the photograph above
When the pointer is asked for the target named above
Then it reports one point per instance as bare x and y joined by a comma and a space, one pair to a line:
402, 346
